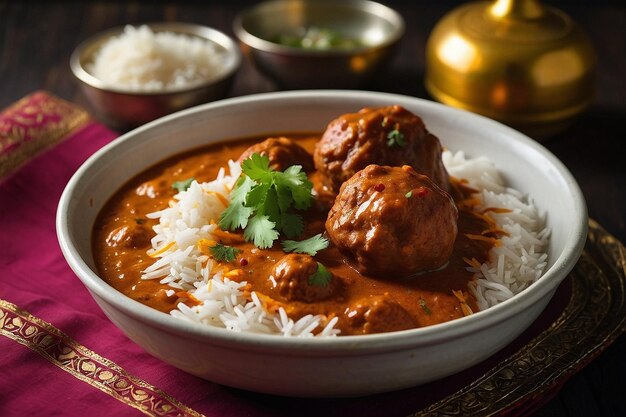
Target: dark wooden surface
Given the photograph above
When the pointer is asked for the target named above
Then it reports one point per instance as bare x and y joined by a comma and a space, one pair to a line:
37, 38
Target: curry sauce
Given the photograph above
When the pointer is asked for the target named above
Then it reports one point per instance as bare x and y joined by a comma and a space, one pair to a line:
429, 298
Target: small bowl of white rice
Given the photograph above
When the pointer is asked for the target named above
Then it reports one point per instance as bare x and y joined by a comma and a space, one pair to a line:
134, 74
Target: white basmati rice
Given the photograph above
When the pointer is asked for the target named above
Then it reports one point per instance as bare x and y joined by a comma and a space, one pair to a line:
514, 265
142, 60
521, 257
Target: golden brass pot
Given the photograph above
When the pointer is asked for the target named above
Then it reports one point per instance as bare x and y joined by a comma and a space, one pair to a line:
519, 62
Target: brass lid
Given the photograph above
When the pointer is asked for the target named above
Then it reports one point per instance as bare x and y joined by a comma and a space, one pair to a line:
518, 62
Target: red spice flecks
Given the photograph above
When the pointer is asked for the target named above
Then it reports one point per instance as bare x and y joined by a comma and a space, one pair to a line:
422, 192
379, 187
243, 262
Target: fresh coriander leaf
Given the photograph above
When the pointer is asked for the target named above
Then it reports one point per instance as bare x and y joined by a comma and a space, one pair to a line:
321, 277
224, 252
395, 138
257, 167
236, 214
284, 199
302, 197
257, 195
260, 230
409, 194
267, 196
425, 307
291, 224
309, 246
300, 187
271, 209
294, 173
183, 185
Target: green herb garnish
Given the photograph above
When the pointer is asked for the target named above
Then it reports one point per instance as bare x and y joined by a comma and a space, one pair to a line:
260, 230
425, 307
236, 214
309, 246
318, 38
409, 194
395, 138
262, 201
321, 277
183, 185
224, 252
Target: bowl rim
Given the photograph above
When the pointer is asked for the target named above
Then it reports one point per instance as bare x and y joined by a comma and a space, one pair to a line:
365, 344
232, 62
373, 7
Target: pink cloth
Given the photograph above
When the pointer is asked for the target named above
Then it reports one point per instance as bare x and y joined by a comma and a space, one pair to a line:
36, 278
33, 124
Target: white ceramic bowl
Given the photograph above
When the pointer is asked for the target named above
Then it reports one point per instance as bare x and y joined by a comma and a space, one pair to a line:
343, 366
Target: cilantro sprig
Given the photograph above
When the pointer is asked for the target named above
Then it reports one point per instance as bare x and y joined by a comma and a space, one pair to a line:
224, 252
321, 277
309, 246
183, 185
263, 200
395, 138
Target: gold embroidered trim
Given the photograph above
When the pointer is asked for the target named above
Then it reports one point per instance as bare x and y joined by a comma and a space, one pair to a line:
594, 317
33, 124
86, 365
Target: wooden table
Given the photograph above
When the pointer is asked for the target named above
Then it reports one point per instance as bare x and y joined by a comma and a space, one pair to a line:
36, 41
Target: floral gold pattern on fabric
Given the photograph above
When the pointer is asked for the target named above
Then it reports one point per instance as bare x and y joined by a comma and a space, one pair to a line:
33, 124
594, 317
86, 365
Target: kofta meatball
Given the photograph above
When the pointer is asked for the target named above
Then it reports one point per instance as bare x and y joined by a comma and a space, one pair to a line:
377, 314
393, 222
384, 136
282, 153
292, 277
133, 236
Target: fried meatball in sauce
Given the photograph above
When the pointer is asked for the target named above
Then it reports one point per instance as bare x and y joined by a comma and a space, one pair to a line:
282, 153
393, 222
129, 236
378, 314
385, 136
291, 277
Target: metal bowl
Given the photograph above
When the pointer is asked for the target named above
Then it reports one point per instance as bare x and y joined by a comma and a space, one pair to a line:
375, 27
125, 107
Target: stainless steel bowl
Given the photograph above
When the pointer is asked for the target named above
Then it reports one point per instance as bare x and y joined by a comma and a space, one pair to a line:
122, 107
376, 27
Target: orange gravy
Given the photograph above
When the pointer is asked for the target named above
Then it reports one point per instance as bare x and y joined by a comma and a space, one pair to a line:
428, 298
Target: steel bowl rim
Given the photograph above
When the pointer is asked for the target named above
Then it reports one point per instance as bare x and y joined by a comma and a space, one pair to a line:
264, 45
232, 63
